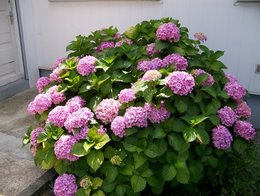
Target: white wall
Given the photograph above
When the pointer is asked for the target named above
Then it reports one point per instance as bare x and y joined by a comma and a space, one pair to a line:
234, 29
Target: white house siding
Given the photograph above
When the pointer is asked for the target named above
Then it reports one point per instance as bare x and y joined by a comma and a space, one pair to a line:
234, 29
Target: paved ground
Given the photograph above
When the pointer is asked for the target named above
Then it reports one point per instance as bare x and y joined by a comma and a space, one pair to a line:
17, 169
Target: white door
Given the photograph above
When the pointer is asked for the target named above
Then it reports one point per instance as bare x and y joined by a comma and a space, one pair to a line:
10, 62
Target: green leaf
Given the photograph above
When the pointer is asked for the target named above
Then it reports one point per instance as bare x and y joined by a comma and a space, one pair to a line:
97, 182
87, 146
102, 66
42, 137
161, 45
196, 171
102, 141
190, 134
156, 149
202, 135
108, 186
158, 133
127, 170
178, 125
98, 193
183, 175
81, 192
168, 172
138, 183
95, 159
110, 171
148, 94
214, 119
147, 173
217, 66
181, 105
239, 145
78, 150
179, 50
217, 54
210, 90
178, 143
132, 144
139, 160
120, 190
85, 88
194, 120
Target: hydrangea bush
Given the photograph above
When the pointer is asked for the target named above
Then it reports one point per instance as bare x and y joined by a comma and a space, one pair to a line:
137, 112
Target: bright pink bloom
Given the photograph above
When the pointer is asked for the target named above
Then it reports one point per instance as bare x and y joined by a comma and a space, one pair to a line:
179, 61
75, 103
136, 116
227, 116
42, 83
157, 115
209, 81
105, 45
86, 65
56, 96
168, 32
221, 137
35, 134
65, 185
243, 110
118, 126
245, 130
126, 95
58, 116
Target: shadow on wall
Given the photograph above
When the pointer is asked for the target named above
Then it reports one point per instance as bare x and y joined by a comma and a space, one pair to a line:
254, 103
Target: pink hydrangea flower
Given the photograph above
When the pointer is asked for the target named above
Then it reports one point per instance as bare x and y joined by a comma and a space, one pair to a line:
180, 82
168, 32
235, 90
107, 110
105, 45
136, 116
154, 64
231, 78
179, 61
62, 148
78, 119
209, 81
75, 103
65, 185
41, 83
41, 103
125, 40
200, 36
35, 134
227, 116
243, 110
81, 134
244, 129
58, 116
221, 137
117, 35
126, 95
156, 115
57, 62
102, 129
56, 96
118, 126
151, 75
86, 65
151, 50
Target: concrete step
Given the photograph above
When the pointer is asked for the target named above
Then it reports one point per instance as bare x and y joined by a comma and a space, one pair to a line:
17, 170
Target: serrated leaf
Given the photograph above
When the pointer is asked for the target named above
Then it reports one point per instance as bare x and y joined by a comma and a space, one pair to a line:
95, 159
202, 136
178, 143
183, 175
78, 150
138, 183
102, 141
189, 134
139, 159
168, 172
239, 145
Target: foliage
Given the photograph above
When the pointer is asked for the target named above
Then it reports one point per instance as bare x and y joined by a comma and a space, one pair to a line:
174, 150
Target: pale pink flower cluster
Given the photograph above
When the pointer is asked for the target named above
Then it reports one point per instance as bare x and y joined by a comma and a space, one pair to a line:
136, 116
42, 83
221, 137
168, 32
56, 96
107, 110
57, 62
105, 45
81, 134
244, 129
41, 103
78, 119
86, 65
235, 90
65, 185
35, 134
200, 36
209, 81
176, 59
180, 82
75, 103
156, 115
58, 115
151, 75
126, 95
153, 64
151, 50
118, 126
63, 147
227, 116
125, 40
243, 110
